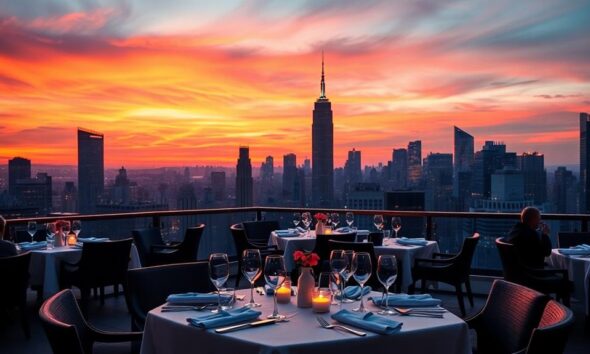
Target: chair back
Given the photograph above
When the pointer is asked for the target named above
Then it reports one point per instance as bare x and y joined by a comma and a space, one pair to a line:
360, 247
240, 240
376, 238
569, 239
259, 231
509, 317
105, 263
553, 330
144, 239
149, 287
189, 248
511, 265
465, 255
7, 249
15, 279
64, 325
321, 243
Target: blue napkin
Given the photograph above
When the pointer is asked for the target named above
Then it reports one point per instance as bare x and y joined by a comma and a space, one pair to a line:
582, 249
287, 233
28, 246
353, 292
412, 241
224, 318
368, 321
92, 239
194, 298
405, 300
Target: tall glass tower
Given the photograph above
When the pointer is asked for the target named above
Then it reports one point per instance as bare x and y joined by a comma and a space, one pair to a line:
584, 162
90, 169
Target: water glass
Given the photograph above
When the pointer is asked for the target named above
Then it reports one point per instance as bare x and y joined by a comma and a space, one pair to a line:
51, 230
76, 227
335, 218
349, 219
228, 298
378, 222
218, 274
361, 270
396, 224
32, 229
387, 275
275, 274
296, 219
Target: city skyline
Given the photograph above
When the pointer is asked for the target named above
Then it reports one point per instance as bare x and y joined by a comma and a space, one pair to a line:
194, 92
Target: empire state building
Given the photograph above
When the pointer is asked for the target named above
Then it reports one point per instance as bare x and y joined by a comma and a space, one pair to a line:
322, 147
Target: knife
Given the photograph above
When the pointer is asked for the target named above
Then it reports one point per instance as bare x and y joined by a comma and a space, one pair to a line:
245, 325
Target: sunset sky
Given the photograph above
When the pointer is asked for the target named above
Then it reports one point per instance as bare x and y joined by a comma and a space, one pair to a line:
174, 83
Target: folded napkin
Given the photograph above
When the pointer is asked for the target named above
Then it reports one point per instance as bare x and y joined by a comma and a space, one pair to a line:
412, 241
194, 298
353, 292
28, 246
287, 233
224, 318
405, 300
368, 321
582, 249
92, 239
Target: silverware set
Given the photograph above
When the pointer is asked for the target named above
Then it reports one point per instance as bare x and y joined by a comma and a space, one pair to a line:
325, 324
434, 312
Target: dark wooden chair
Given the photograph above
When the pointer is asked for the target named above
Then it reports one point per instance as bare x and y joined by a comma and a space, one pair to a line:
569, 239
7, 249
183, 252
242, 242
258, 232
363, 247
553, 330
322, 249
546, 280
452, 269
148, 288
507, 320
15, 280
376, 238
101, 264
69, 333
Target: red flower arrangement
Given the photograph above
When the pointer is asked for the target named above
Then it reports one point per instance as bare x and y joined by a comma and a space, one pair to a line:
306, 259
321, 217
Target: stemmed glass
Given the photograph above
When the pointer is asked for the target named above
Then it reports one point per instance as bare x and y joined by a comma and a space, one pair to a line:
335, 218
387, 274
349, 219
338, 263
275, 274
76, 227
361, 269
306, 218
218, 273
51, 230
252, 268
378, 222
296, 219
396, 223
32, 229
65, 231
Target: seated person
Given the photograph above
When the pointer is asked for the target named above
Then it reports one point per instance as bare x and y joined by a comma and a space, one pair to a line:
531, 239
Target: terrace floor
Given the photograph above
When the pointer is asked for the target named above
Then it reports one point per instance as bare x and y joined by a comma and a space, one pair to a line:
114, 316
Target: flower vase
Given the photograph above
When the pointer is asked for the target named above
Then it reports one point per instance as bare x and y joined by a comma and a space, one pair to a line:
320, 228
60, 239
305, 286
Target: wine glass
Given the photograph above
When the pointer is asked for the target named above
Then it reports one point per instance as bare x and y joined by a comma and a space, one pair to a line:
339, 262
252, 268
306, 218
378, 222
32, 229
335, 218
296, 219
76, 227
65, 231
51, 230
174, 228
218, 273
346, 274
275, 274
361, 270
387, 274
396, 223
349, 219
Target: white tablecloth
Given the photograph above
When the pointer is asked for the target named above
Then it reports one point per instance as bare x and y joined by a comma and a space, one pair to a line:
45, 265
170, 333
406, 254
579, 272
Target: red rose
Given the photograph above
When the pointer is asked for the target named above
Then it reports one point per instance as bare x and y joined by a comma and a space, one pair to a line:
297, 255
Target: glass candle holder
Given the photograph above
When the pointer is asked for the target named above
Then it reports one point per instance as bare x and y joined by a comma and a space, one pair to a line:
284, 293
321, 300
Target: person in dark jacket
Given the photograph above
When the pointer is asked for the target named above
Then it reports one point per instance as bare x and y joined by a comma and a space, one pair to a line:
531, 239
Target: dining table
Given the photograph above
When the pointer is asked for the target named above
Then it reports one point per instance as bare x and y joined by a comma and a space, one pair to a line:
404, 253
169, 332
578, 268
45, 266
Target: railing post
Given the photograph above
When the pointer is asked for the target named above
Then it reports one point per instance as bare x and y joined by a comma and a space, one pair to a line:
429, 227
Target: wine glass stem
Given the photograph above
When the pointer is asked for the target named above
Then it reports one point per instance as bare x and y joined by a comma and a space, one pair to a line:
252, 293
386, 299
218, 300
341, 290
362, 306
275, 312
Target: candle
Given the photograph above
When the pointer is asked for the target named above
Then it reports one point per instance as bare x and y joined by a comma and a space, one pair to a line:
72, 240
327, 231
284, 294
321, 301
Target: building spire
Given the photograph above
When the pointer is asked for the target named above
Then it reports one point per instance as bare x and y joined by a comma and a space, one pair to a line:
323, 82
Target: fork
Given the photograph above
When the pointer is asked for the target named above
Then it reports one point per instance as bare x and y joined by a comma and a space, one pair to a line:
417, 313
324, 324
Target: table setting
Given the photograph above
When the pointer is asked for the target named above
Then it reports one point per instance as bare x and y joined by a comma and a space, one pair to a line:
576, 260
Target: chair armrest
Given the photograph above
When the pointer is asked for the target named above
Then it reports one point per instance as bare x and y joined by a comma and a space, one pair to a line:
115, 337
443, 255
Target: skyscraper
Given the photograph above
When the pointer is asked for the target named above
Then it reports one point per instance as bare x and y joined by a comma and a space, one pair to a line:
244, 181
352, 168
462, 168
322, 148
584, 163
491, 158
35, 193
18, 168
290, 177
532, 166
399, 169
90, 169
438, 175
218, 185
414, 164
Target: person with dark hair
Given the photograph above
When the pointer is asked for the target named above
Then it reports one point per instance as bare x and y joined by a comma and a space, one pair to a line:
7, 248
530, 238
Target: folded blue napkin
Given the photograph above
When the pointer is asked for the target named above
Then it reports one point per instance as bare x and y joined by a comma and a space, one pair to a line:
287, 233
405, 300
194, 298
353, 292
28, 246
582, 249
368, 321
224, 318
92, 239
412, 241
